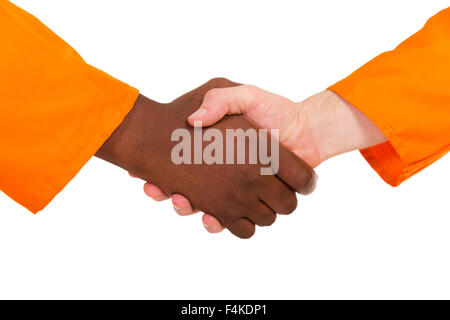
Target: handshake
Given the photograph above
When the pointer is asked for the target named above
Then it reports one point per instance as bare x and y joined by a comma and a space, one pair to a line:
254, 152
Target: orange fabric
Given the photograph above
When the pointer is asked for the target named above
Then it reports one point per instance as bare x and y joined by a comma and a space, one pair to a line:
406, 93
56, 111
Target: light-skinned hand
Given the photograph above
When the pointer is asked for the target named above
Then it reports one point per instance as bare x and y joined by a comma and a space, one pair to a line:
315, 129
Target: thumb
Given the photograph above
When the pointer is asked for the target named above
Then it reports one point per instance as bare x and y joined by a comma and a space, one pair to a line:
219, 102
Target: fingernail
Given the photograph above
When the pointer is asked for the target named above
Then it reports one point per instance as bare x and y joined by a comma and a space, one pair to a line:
199, 113
176, 208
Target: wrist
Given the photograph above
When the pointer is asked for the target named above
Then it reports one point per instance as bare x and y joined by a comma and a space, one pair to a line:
337, 127
125, 145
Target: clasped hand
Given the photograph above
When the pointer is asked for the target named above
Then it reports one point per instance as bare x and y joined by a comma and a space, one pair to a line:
237, 195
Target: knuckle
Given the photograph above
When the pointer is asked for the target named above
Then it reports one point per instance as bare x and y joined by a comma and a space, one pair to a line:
306, 180
284, 199
224, 219
310, 184
250, 87
268, 220
242, 229
212, 94
289, 204
219, 81
253, 90
247, 233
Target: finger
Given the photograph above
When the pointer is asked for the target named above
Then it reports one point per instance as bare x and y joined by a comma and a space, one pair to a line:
154, 192
211, 224
204, 88
263, 215
242, 228
182, 206
132, 175
295, 172
278, 196
219, 102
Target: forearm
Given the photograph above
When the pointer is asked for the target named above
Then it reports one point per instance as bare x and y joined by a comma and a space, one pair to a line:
337, 126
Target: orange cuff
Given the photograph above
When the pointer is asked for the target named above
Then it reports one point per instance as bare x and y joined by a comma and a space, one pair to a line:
56, 111
406, 94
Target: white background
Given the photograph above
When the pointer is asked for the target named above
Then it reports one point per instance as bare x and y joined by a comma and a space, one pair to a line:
355, 237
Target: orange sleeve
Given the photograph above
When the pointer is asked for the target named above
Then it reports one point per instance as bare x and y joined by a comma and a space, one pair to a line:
56, 111
406, 93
